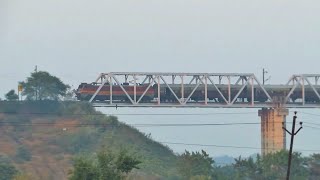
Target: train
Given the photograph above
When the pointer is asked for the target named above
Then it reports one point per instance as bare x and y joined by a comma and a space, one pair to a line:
149, 93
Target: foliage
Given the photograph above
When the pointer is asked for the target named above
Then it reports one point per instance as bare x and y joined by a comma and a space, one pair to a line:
116, 166
201, 178
274, 166
83, 140
195, 164
12, 96
269, 167
247, 168
105, 166
84, 169
158, 159
23, 154
7, 171
225, 173
43, 86
70, 95
23, 177
314, 165
4, 159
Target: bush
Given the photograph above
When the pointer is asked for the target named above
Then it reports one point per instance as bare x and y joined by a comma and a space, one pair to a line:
23, 154
7, 171
81, 141
106, 165
23, 177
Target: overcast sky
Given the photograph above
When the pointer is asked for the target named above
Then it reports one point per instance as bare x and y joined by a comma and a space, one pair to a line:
78, 39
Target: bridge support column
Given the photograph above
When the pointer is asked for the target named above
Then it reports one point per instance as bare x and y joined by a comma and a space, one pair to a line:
273, 137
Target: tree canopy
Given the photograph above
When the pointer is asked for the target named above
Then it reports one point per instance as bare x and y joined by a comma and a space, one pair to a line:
314, 165
195, 165
106, 165
43, 86
7, 171
269, 167
12, 96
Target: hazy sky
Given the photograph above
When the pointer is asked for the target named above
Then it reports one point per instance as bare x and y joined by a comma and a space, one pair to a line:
78, 39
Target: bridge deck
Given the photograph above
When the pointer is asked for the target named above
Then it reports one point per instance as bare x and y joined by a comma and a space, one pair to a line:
202, 105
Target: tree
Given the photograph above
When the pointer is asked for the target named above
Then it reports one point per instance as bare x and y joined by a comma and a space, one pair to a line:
43, 86
314, 164
7, 171
84, 169
12, 96
195, 164
107, 165
274, 166
271, 166
23, 154
248, 168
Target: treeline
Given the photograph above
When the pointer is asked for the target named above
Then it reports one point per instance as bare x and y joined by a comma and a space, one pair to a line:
199, 166
117, 165
40, 86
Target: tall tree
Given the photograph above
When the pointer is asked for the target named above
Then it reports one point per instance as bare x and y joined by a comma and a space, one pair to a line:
195, 164
43, 86
248, 168
12, 96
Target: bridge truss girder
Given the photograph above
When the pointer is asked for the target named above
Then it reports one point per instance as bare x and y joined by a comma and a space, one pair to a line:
302, 81
181, 79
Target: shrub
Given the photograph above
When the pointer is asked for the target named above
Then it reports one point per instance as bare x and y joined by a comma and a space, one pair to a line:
7, 171
23, 154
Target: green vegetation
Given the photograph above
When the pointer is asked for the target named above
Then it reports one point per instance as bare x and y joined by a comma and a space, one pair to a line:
195, 165
23, 177
314, 164
82, 141
43, 86
272, 166
105, 166
12, 96
23, 154
7, 170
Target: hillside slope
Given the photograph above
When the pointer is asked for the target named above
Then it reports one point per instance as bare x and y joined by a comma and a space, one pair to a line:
41, 138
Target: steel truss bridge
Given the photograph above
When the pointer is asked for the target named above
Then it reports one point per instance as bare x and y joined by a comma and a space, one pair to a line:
301, 91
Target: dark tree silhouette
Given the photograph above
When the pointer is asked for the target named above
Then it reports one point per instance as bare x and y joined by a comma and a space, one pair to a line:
43, 86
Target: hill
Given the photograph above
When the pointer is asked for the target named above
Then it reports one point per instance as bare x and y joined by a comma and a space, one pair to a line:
224, 160
41, 139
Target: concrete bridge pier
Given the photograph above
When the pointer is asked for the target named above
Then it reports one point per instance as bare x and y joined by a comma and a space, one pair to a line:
273, 137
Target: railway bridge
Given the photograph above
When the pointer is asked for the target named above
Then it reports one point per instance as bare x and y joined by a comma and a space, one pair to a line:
208, 90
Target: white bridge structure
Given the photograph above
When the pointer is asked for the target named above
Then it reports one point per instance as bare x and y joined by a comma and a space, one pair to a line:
205, 90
